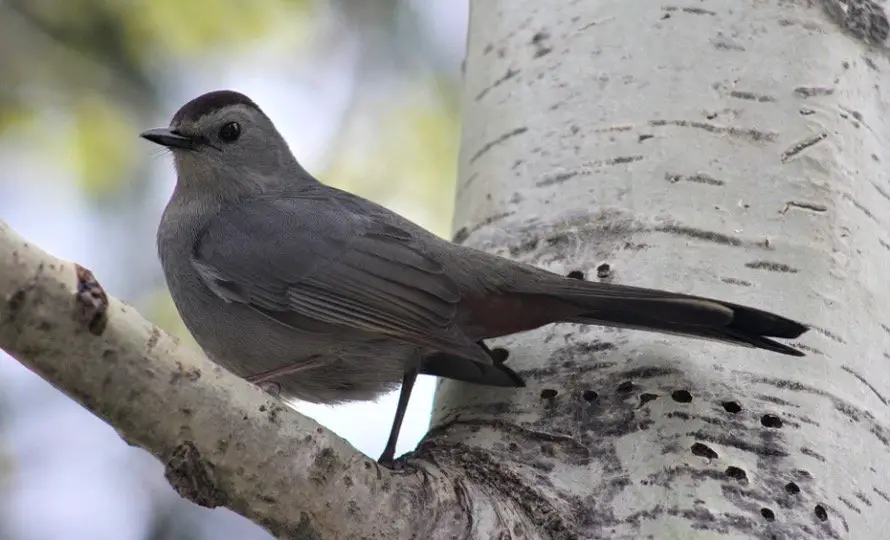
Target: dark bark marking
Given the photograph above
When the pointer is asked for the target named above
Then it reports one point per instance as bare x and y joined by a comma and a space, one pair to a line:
14, 304
849, 504
870, 386
577, 452
506, 77
193, 477
620, 160
191, 375
751, 135
538, 40
860, 207
700, 178
91, 302
768, 449
803, 205
830, 335
771, 266
862, 497
751, 96
880, 191
647, 372
863, 19
324, 465
802, 145
812, 91
153, 339
710, 420
489, 145
723, 43
700, 234
558, 178
690, 10
463, 233
610, 129
570, 352
807, 348
777, 401
735, 281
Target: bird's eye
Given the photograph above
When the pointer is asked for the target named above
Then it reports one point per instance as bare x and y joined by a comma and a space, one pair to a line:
230, 132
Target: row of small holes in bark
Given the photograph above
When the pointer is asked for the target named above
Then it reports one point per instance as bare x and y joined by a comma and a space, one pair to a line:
700, 449
680, 396
684, 396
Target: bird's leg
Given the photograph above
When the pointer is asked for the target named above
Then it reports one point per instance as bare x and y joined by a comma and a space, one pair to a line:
388, 456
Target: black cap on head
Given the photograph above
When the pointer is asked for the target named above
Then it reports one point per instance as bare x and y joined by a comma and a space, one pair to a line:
211, 102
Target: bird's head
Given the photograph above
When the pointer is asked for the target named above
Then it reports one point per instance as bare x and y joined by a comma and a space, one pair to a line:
223, 142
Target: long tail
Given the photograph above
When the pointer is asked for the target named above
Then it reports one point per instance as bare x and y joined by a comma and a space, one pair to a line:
670, 313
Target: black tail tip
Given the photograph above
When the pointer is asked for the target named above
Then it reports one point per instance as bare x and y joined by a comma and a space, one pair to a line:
763, 323
512, 375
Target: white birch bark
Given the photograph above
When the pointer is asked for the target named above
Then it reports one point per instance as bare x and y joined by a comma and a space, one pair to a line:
723, 148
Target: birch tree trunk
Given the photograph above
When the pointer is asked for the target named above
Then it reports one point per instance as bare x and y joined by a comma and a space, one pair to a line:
731, 149
722, 148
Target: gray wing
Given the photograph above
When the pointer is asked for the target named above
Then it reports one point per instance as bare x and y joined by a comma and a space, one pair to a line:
308, 260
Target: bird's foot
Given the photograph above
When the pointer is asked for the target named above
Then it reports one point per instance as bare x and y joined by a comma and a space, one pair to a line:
398, 465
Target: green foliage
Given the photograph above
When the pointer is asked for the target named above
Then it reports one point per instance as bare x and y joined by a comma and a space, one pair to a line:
100, 146
95, 62
413, 166
194, 26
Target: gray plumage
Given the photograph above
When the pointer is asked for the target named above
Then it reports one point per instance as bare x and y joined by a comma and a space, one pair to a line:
334, 298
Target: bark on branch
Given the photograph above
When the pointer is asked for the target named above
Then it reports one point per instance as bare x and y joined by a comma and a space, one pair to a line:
224, 441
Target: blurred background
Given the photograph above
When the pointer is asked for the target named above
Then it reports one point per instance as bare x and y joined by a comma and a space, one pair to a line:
365, 91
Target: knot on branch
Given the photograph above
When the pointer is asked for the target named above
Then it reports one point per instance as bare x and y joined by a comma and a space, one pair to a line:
193, 477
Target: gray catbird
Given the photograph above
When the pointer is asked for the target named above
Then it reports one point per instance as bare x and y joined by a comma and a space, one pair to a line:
331, 298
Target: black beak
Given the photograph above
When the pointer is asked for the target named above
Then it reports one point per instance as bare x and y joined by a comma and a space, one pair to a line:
169, 138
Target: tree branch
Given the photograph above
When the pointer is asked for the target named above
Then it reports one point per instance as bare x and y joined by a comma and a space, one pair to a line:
224, 441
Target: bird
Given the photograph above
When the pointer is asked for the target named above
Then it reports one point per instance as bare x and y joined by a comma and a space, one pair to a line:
328, 297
